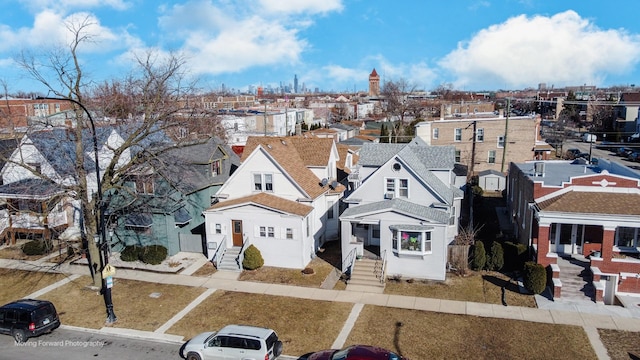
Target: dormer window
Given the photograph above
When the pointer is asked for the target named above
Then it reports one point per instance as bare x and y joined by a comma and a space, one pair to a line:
144, 185
216, 168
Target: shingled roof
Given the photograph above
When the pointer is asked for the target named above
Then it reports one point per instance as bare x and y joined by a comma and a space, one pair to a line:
295, 155
269, 201
607, 203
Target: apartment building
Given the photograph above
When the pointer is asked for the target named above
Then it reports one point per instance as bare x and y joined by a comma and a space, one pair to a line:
480, 142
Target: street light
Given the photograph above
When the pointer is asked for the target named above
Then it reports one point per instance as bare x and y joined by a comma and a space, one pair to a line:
100, 238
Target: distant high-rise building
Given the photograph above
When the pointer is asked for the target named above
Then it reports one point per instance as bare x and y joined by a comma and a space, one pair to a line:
295, 83
374, 83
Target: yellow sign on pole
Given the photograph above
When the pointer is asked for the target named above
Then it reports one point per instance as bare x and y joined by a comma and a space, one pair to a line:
108, 271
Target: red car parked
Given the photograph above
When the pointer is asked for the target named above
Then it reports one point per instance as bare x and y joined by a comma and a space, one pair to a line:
356, 352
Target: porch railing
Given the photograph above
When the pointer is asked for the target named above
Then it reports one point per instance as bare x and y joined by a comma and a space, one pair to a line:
347, 263
380, 267
217, 254
240, 258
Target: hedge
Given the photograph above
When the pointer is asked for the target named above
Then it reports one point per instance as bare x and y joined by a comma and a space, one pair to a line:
479, 259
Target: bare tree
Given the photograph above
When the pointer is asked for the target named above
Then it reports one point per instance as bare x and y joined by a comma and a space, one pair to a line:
149, 107
399, 106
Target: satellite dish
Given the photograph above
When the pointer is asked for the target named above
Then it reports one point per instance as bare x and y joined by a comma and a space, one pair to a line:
334, 184
324, 182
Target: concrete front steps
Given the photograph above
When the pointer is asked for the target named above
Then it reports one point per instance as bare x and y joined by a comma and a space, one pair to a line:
228, 261
363, 277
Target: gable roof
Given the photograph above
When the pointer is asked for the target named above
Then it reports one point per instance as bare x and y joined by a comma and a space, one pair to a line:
420, 158
266, 200
398, 205
187, 168
295, 155
57, 146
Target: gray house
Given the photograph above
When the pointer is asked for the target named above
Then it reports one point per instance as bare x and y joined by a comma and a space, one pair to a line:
404, 209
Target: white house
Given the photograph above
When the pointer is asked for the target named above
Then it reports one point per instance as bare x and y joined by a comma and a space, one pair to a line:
283, 199
404, 209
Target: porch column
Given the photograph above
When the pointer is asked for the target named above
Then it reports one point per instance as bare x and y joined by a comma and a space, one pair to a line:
543, 245
608, 237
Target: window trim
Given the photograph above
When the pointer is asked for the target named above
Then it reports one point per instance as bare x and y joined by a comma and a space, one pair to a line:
500, 142
425, 237
457, 134
436, 133
264, 185
397, 189
480, 135
489, 156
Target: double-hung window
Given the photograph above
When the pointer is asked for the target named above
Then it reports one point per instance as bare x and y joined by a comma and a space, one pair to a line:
397, 187
500, 142
263, 182
436, 133
492, 157
457, 135
480, 135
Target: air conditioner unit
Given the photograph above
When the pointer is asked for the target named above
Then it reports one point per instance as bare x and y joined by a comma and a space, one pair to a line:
389, 195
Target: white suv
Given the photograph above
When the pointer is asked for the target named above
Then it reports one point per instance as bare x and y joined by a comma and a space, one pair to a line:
238, 342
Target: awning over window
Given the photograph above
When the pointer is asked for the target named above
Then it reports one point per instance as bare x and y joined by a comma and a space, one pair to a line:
181, 216
143, 220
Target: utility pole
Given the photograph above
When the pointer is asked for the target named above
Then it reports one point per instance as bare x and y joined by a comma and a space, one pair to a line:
506, 128
100, 243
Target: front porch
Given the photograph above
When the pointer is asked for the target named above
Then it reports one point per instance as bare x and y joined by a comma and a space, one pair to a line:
610, 254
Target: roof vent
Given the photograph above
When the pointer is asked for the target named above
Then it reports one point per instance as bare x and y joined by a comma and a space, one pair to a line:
269, 146
283, 142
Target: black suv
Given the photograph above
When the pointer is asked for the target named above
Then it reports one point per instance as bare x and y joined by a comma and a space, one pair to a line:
27, 318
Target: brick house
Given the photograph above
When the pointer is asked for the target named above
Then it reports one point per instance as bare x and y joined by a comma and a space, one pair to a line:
489, 140
575, 209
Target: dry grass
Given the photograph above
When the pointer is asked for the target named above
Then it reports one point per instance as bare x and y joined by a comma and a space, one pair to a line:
303, 325
276, 275
17, 284
477, 287
205, 270
14, 252
429, 335
621, 344
79, 305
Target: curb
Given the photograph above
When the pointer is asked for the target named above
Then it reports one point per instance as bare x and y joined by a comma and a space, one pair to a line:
130, 334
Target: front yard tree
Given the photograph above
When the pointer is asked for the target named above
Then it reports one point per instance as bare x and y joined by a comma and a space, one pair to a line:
150, 109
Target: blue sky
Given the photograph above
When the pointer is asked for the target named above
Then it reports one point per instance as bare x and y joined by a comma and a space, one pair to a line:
334, 44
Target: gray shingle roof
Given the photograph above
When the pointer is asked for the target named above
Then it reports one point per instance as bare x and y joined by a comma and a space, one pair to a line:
421, 158
399, 205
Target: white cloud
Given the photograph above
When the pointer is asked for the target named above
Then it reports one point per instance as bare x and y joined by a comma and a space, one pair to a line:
50, 30
229, 37
68, 5
301, 6
563, 49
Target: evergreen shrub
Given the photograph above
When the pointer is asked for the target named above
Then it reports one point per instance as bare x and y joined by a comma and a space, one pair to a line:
252, 258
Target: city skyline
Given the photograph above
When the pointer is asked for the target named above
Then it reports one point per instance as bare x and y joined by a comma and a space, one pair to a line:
333, 45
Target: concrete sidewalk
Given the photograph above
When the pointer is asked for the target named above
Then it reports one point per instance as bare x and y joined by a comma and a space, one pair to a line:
589, 317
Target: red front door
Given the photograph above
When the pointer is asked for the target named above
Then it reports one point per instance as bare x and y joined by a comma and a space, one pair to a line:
236, 225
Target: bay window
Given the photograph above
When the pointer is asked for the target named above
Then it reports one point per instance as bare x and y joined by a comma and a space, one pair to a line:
410, 241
